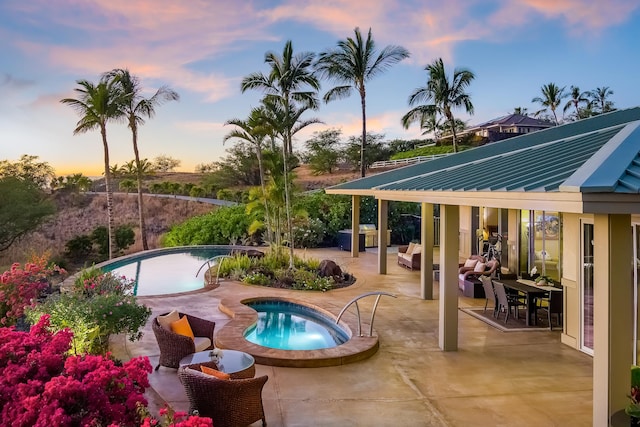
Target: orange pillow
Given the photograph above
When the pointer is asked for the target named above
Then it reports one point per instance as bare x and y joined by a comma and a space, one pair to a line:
182, 327
214, 373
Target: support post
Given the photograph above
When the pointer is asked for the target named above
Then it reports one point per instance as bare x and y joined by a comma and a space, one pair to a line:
449, 248
355, 226
383, 214
612, 316
426, 263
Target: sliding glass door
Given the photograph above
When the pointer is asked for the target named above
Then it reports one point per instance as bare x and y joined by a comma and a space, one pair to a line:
586, 288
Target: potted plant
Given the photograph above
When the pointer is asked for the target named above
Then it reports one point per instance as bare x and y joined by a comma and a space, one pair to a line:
633, 409
543, 280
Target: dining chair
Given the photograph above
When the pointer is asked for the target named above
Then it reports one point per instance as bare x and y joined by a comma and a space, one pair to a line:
506, 302
489, 294
551, 305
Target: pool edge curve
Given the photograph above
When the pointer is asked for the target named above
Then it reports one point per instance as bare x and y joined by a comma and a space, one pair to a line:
231, 336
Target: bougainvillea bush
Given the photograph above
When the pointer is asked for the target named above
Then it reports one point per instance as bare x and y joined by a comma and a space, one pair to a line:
21, 286
41, 386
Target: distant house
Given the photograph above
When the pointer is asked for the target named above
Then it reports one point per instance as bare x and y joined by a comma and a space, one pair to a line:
507, 127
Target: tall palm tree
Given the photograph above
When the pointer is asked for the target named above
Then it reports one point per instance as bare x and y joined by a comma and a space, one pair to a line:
441, 96
577, 98
600, 101
254, 130
97, 105
290, 82
552, 96
136, 109
351, 65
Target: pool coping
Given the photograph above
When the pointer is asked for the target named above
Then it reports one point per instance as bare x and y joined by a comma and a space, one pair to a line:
231, 336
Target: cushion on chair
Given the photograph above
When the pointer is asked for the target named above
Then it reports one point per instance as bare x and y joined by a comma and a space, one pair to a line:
480, 267
470, 263
410, 248
182, 327
416, 250
166, 320
214, 373
202, 343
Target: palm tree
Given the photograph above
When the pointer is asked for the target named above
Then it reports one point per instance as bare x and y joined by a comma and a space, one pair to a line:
552, 96
577, 98
432, 124
599, 99
353, 63
97, 105
136, 109
290, 82
442, 95
521, 111
254, 131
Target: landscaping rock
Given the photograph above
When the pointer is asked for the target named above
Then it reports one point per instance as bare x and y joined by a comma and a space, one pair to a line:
329, 268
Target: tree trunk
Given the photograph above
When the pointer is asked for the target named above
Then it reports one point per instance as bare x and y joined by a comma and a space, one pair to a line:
107, 181
264, 193
143, 232
287, 201
363, 145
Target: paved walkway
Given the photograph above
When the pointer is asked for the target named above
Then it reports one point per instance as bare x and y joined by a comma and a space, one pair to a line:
494, 379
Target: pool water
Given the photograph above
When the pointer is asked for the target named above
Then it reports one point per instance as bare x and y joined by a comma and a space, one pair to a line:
289, 326
166, 271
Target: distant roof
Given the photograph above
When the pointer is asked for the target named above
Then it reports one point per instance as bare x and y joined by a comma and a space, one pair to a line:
512, 120
572, 167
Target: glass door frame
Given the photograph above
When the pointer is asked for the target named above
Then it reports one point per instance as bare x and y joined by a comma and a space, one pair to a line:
583, 222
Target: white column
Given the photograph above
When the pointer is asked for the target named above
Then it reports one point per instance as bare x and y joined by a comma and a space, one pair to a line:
383, 214
612, 316
355, 226
426, 263
449, 242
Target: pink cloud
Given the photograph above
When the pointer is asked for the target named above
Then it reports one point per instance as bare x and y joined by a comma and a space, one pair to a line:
579, 16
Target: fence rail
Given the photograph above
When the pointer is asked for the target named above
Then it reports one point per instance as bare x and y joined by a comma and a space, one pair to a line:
408, 161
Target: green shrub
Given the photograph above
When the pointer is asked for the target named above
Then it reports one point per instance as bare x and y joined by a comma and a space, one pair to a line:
100, 305
220, 227
80, 247
310, 281
257, 278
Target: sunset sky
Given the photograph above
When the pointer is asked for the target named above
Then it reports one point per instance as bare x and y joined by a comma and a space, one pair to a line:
203, 49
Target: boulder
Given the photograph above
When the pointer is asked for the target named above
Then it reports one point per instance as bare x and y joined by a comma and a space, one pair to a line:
329, 268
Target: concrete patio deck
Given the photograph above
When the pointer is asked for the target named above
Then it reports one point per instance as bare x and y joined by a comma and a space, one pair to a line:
494, 379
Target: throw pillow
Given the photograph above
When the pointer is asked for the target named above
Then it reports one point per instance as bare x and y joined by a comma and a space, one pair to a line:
470, 263
410, 248
416, 250
182, 327
214, 373
480, 267
166, 320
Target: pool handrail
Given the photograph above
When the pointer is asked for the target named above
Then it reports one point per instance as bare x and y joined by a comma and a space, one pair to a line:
373, 311
208, 263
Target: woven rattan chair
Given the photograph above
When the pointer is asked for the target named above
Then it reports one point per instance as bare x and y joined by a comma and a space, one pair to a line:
173, 347
229, 403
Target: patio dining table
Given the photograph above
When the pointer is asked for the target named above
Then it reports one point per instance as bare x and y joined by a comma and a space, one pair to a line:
531, 292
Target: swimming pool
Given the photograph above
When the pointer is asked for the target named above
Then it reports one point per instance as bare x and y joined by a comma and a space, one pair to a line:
165, 271
286, 325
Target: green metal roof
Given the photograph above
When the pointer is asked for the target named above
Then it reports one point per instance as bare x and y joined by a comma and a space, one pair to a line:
539, 161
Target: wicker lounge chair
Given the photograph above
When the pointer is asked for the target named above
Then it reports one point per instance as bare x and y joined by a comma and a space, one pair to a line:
173, 347
229, 403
